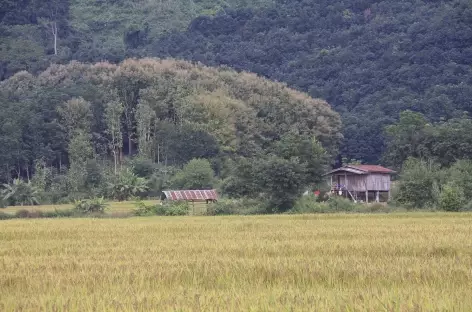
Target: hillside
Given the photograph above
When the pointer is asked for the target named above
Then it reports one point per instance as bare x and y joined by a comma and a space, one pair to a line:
369, 59
92, 30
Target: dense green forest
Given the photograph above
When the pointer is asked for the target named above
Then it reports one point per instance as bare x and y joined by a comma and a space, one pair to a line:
92, 30
369, 59
78, 126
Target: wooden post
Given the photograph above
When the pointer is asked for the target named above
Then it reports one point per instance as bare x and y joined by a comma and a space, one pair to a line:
377, 199
366, 196
345, 182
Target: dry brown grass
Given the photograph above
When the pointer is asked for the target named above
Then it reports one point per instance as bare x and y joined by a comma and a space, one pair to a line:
395, 262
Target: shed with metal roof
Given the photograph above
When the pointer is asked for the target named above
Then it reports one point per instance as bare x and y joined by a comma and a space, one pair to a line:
192, 195
361, 182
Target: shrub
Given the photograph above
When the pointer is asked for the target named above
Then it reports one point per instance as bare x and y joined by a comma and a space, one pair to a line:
95, 205
309, 204
243, 206
451, 198
419, 183
141, 209
63, 213
177, 208
340, 204
6, 216
467, 207
126, 184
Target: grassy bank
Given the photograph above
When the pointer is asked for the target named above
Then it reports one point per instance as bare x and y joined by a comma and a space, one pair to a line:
114, 208
335, 262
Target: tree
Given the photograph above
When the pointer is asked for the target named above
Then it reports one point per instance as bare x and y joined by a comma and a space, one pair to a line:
126, 184
113, 113
20, 193
279, 181
145, 120
53, 14
419, 184
307, 151
451, 198
196, 174
406, 138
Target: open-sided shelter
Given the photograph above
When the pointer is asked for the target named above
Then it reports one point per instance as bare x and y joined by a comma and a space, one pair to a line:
361, 182
192, 195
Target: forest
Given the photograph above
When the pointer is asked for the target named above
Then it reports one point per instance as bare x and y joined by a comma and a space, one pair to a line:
93, 94
81, 130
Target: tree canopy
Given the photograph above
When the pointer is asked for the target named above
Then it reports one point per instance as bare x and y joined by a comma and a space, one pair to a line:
369, 59
190, 111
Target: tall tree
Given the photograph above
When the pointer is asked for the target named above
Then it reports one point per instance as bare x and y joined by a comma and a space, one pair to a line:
113, 113
145, 120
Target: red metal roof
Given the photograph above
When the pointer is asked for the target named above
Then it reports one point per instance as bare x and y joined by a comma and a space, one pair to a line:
372, 168
191, 195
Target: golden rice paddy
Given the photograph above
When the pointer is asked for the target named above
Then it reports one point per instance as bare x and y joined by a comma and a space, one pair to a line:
394, 262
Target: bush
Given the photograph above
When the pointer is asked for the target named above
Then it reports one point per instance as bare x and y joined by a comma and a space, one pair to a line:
126, 184
6, 216
63, 213
309, 204
143, 210
467, 207
177, 208
340, 204
242, 206
451, 198
95, 205
419, 184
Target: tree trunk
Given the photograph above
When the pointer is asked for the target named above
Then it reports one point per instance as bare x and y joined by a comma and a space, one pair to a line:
54, 33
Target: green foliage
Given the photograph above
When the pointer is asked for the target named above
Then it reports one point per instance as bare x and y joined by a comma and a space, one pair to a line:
20, 193
383, 64
419, 183
174, 208
197, 174
444, 142
78, 118
309, 204
143, 168
280, 181
241, 206
451, 198
126, 184
460, 174
340, 204
94, 205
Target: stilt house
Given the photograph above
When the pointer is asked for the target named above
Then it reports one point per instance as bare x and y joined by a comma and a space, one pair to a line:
361, 183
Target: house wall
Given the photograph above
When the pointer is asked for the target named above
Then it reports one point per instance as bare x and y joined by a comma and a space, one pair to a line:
358, 183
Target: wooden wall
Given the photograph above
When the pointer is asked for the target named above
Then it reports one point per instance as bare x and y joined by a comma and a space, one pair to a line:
358, 182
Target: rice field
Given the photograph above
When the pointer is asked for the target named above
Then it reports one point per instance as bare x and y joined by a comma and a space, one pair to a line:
378, 262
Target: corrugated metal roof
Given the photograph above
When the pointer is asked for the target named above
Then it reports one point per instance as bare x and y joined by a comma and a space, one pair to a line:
191, 195
372, 168
361, 169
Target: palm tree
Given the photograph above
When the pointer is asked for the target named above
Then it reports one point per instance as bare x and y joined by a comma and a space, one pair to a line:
127, 184
20, 193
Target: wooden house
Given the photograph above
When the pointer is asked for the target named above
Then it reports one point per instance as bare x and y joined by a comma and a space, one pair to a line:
361, 183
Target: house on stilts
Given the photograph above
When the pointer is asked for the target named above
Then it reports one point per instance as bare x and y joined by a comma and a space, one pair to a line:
361, 183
